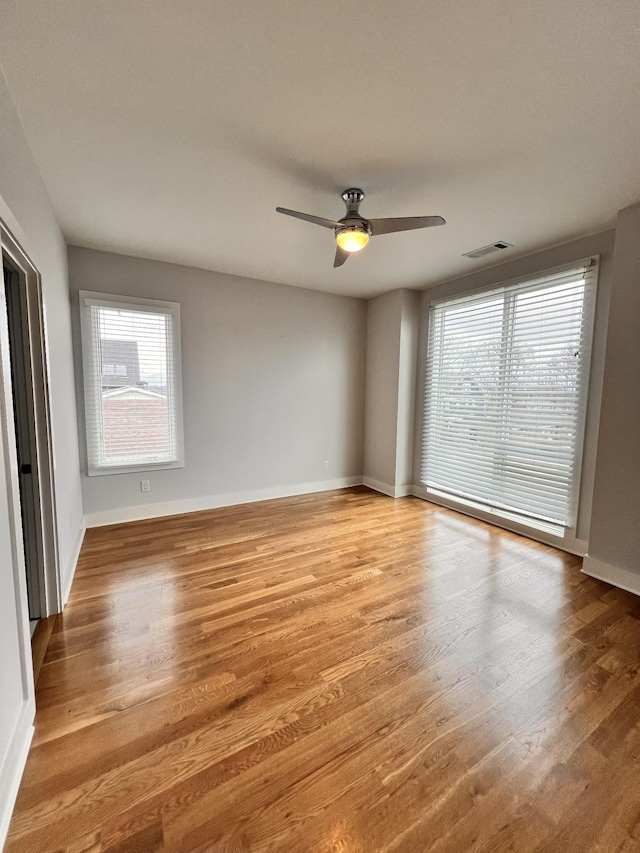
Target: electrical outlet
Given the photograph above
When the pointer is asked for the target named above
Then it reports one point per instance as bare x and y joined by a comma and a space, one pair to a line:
326, 465
145, 486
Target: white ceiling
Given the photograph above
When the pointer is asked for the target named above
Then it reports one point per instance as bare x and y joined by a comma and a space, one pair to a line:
171, 129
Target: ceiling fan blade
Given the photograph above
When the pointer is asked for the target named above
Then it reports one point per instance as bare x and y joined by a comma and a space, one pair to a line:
308, 217
403, 223
341, 257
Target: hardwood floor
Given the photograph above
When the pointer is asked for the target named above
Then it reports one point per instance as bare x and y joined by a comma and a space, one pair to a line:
39, 642
336, 672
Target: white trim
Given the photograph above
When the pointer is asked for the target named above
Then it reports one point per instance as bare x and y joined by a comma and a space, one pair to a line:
88, 299
386, 489
50, 601
622, 578
569, 544
591, 264
70, 568
546, 528
13, 766
379, 486
137, 513
135, 303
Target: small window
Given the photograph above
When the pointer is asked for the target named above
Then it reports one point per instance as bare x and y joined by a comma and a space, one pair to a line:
132, 383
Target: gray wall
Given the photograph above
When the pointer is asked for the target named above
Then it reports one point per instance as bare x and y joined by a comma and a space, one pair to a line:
615, 528
601, 244
26, 211
273, 383
392, 345
381, 406
407, 376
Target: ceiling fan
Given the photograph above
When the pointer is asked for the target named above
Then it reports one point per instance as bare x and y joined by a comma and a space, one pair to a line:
353, 231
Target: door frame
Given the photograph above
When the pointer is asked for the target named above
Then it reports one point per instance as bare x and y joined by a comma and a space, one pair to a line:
34, 329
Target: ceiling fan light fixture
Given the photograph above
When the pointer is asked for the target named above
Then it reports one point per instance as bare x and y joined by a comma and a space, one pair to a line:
353, 231
352, 239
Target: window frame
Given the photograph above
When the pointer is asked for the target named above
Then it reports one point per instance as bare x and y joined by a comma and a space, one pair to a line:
565, 538
87, 298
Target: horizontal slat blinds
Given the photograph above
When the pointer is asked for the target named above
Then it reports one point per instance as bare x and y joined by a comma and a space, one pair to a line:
131, 372
505, 393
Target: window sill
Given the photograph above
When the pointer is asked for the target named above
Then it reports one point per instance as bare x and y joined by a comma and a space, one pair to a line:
544, 532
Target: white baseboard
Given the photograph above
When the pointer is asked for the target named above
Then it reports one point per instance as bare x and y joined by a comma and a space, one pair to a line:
138, 513
70, 568
13, 766
623, 578
386, 489
379, 486
403, 491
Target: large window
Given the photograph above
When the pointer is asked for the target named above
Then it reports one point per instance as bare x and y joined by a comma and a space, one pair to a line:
131, 362
505, 395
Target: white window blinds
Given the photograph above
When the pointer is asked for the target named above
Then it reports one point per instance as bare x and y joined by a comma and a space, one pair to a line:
131, 361
506, 383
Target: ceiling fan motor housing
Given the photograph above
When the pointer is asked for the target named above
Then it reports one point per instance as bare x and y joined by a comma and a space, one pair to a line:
352, 199
352, 196
353, 221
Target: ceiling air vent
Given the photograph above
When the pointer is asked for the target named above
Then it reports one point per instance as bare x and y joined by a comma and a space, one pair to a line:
487, 250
